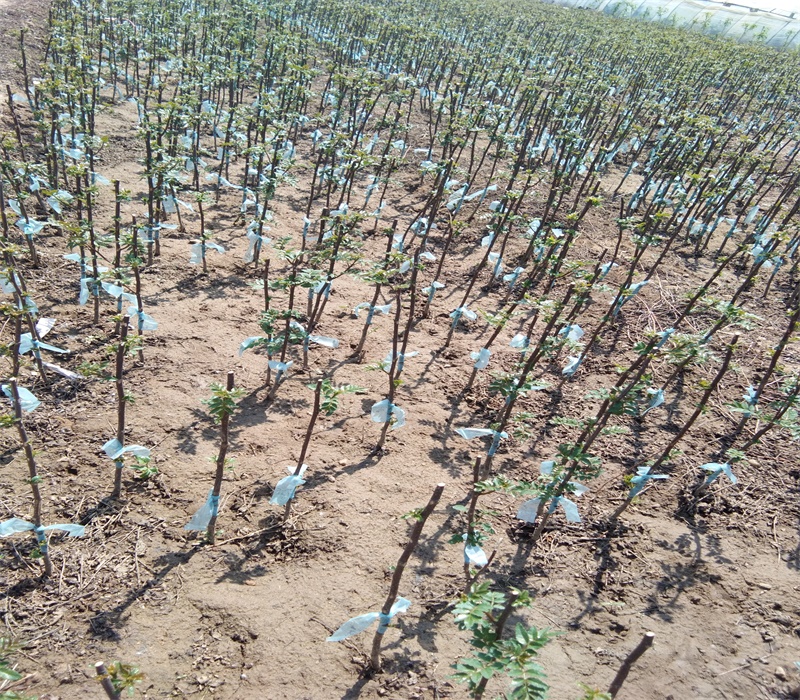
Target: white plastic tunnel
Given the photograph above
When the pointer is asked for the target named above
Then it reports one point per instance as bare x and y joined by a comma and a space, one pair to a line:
778, 28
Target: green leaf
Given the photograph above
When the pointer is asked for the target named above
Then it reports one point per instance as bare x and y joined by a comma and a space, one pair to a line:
9, 674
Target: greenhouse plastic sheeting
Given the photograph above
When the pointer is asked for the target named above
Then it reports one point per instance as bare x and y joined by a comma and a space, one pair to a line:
737, 22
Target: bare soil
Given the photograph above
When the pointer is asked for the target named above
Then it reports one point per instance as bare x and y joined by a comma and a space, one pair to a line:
248, 617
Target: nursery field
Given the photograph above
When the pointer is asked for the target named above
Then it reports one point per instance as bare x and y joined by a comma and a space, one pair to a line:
277, 275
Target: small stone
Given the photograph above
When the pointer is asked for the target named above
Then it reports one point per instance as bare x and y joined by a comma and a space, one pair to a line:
342, 462
780, 673
243, 676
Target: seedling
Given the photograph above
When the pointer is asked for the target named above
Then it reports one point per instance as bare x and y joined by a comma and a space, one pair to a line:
393, 604
221, 406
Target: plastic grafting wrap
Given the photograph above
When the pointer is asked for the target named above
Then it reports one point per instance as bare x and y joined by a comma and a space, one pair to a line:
470, 433
628, 294
664, 335
570, 509
118, 292
6, 285
750, 397
431, 291
573, 332
31, 227
462, 311
248, 343
63, 372
383, 411
427, 255
356, 625
656, 399
199, 250
202, 517
115, 450
27, 343
480, 193
513, 276
145, 322
528, 510
14, 525
41, 539
457, 199
715, 470
254, 243
27, 401
496, 442
222, 181
386, 363
324, 341
55, 201
643, 475
474, 555
572, 365
286, 487
481, 358
322, 287
383, 309
520, 341
497, 261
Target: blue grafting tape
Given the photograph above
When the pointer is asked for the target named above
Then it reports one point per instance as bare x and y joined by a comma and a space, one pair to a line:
495, 443
41, 539
383, 622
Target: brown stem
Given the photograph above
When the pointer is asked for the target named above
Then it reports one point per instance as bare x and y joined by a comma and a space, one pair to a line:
41, 538
700, 406
358, 354
392, 371
498, 633
203, 233
138, 279
223, 449
787, 404
778, 351
375, 657
22, 305
633, 657
105, 681
120, 362
304, 449
266, 284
